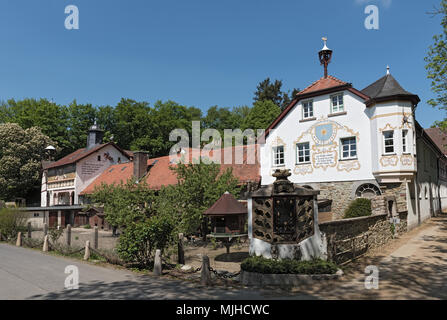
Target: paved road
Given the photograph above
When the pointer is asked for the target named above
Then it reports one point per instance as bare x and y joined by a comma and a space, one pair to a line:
30, 274
416, 269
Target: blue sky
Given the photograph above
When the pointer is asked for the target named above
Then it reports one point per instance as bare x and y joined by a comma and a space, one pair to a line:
206, 52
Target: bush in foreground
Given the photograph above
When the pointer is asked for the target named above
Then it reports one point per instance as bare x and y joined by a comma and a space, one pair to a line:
288, 266
360, 207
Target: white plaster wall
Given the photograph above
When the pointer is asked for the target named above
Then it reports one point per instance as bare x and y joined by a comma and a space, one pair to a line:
290, 129
84, 178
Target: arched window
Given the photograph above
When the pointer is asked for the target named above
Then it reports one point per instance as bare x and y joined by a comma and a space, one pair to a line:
368, 190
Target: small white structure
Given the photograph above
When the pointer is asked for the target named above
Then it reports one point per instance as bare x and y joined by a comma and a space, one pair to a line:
283, 221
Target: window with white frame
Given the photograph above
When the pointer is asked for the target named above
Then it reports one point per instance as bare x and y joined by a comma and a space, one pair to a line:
349, 148
337, 104
405, 146
302, 153
278, 156
388, 142
308, 109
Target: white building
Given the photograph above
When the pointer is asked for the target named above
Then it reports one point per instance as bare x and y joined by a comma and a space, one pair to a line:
351, 143
65, 179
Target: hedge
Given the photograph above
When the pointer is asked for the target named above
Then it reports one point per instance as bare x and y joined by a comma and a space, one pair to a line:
360, 207
288, 266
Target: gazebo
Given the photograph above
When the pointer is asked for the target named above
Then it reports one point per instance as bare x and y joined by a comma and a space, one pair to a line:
228, 217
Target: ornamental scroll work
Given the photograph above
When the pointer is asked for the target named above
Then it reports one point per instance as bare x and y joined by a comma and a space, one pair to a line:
325, 149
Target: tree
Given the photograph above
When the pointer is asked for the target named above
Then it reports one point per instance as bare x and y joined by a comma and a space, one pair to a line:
52, 119
199, 186
437, 62
261, 115
267, 90
80, 117
21, 153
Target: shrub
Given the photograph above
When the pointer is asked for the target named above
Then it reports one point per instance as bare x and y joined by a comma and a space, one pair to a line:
139, 240
360, 207
288, 266
87, 226
11, 222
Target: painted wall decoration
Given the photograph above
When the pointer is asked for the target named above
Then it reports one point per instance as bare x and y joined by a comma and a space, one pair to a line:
324, 137
407, 160
389, 161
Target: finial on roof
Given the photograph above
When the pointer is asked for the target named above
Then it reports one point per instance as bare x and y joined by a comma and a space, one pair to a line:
325, 56
387, 70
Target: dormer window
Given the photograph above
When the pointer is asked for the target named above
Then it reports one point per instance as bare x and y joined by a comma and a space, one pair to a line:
388, 142
308, 109
337, 103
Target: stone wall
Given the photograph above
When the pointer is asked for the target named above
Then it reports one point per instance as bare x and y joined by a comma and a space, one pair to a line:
340, 193
397, 190
365, 233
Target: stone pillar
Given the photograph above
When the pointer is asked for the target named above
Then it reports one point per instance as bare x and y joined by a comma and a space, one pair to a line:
59, 218
45, 244
45, 229
95, 239
205, 276
87, 250
29, 230
181, 252
68, 235
157, 263
19, 239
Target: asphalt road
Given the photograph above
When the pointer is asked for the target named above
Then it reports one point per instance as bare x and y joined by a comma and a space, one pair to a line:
30, 274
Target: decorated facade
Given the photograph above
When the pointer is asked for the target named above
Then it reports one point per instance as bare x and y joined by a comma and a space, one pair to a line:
349, 143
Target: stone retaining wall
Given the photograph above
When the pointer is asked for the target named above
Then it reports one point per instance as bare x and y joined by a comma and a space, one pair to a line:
365, 233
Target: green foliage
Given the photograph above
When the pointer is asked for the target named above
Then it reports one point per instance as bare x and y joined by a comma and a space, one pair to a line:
360, 207
87, 226
124, 203
11, 222
21, 153
55, 234
139, 240
288, 266
271, 91
436, 60
199, 186
261, 115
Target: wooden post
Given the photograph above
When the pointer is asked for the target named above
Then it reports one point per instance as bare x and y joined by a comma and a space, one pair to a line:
181, 252
45, 229
95, 240
205, 275
68, 235
29, 230
19, 239
157, 263
87, 250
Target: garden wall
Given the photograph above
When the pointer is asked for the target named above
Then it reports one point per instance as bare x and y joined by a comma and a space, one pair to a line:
349, 238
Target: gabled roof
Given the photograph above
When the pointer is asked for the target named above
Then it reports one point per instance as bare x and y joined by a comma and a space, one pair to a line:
81, 154
159, 172
323, 84
439, 137
387, 88
320, 87
226, 205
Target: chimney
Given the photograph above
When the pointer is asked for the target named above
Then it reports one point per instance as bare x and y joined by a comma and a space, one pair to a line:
140, 164
95, 136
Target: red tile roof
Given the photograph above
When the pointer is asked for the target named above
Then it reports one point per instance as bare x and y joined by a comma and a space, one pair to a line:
80, 154
160, 174
226, 204
323, 84
439, 137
